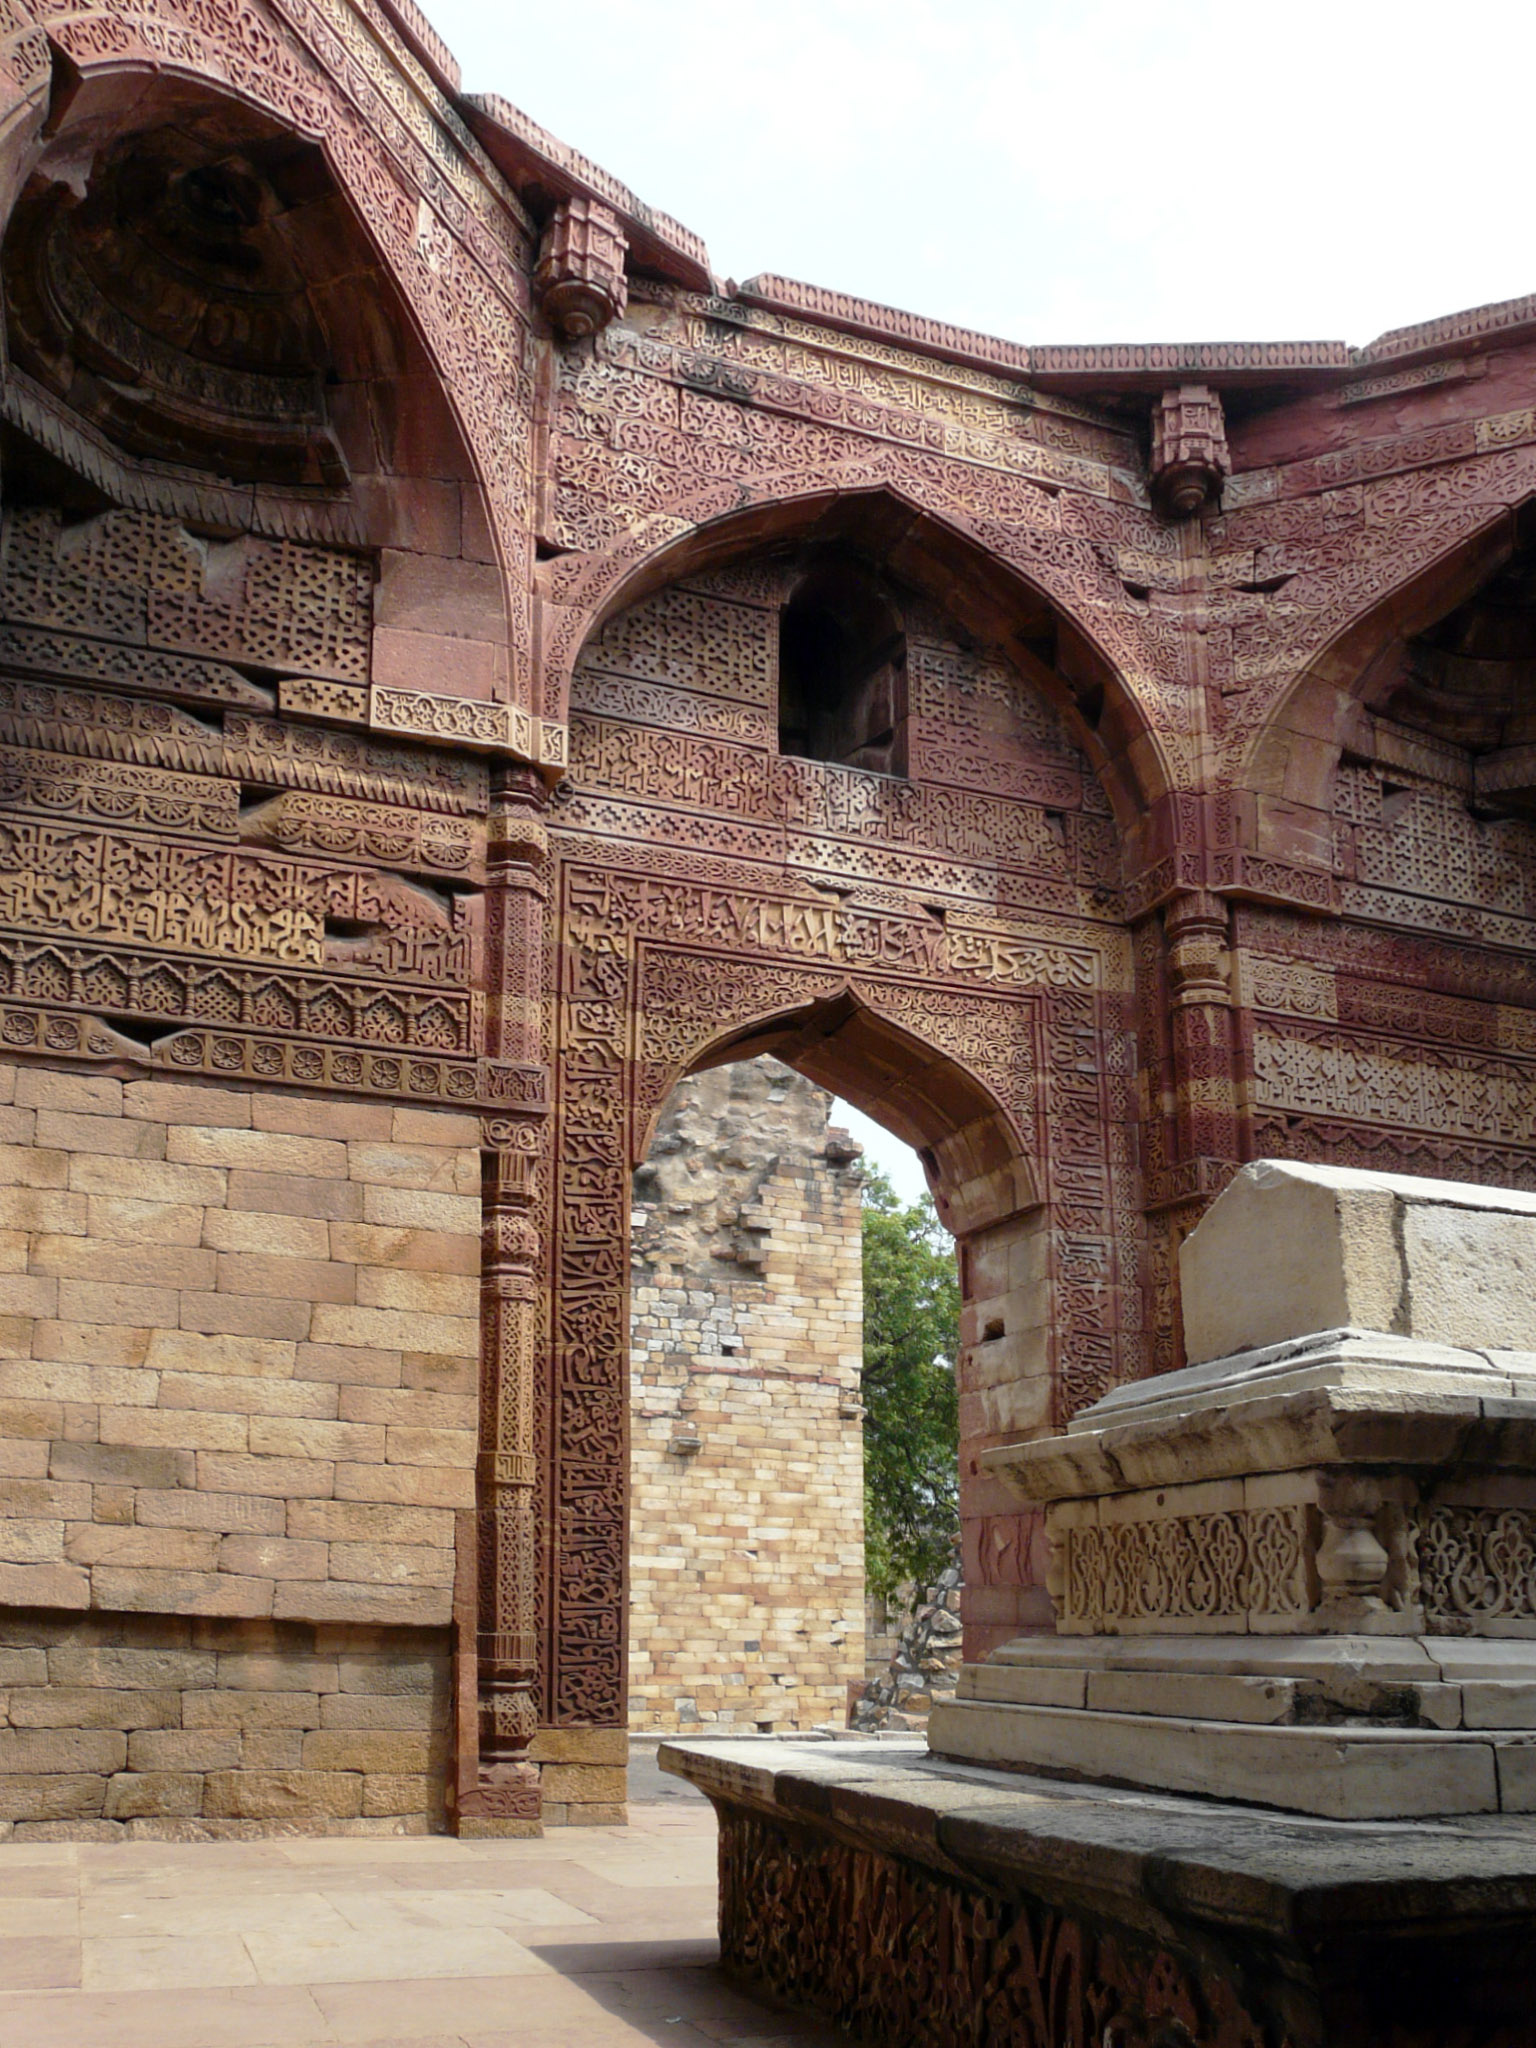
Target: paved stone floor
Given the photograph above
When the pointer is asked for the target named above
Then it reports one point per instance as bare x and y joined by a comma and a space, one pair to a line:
591, 1938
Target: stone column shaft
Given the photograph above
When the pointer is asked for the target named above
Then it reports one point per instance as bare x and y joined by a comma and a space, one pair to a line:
506, 1796
1203, 1042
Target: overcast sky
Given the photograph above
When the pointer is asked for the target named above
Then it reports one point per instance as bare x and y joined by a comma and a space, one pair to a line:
1059, 170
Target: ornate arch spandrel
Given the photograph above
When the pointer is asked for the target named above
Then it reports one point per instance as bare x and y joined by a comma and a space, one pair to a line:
640, 1000
933, 1063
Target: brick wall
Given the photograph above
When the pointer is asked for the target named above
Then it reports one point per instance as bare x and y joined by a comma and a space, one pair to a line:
238, 1364
124, 1725
747, 1508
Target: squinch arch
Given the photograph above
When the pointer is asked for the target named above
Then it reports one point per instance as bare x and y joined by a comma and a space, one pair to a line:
1296, 751
72, 78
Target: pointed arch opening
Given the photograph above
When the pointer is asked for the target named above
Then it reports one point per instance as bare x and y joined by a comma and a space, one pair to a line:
746, 1329
1430, 679
976, 1160
903, 546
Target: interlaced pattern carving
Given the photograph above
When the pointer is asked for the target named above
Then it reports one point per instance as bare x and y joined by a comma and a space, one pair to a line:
1380, 1080
1186, 1568
1477, 1565
260, 750
981, 893
140, 579
162, 986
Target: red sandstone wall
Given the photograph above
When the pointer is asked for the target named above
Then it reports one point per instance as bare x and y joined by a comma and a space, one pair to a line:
1214, 839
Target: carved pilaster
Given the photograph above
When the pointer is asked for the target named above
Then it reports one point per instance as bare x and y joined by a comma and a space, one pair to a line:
1189, 450
1203, 1040
505, 1797
580, 275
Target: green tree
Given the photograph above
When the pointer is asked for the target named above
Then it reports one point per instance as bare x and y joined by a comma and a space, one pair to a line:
911, 1437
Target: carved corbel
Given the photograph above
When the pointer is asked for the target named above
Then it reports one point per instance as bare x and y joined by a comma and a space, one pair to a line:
580, 274
1189, 450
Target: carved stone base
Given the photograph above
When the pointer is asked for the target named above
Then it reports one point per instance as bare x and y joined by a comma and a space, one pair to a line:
480, 1827
915, 1901
507, 1802
1352, 1728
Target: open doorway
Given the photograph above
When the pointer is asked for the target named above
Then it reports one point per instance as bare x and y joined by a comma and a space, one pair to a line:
746, 1317
793, 1348
913, 1569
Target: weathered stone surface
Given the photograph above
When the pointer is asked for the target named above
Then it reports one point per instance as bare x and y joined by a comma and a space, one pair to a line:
1251, 1925
582, 1784
1292, 1250
133, 1795
1107, 764
1348, 1483
282, 1795
132, 1717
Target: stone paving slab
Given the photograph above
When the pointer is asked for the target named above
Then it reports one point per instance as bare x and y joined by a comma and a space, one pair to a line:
590, 1938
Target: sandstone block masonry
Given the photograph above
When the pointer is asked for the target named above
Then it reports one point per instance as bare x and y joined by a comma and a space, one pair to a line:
238, 1356
747, 1509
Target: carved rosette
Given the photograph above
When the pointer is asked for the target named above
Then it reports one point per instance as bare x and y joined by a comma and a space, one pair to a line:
580, 274
506, 1797
1189, 450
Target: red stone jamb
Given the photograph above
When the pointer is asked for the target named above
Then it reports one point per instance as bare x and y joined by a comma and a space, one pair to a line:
504, 1795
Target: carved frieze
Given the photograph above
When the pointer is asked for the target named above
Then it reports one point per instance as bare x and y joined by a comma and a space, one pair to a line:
1166, 1571
115, 793
162, 986
260, 751
1318, 1070
707, 775
814, 1921
211, 683
341, 828
774, 922
467, 722
626, 699
1477, 1568
93, 884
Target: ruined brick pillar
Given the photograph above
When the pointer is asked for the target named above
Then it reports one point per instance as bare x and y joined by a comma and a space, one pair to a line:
505, 1798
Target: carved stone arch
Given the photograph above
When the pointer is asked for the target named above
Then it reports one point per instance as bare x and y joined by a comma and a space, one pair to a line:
1031, 606
1423, 565
26, 77
918, 1061
449, 240
689, 1004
